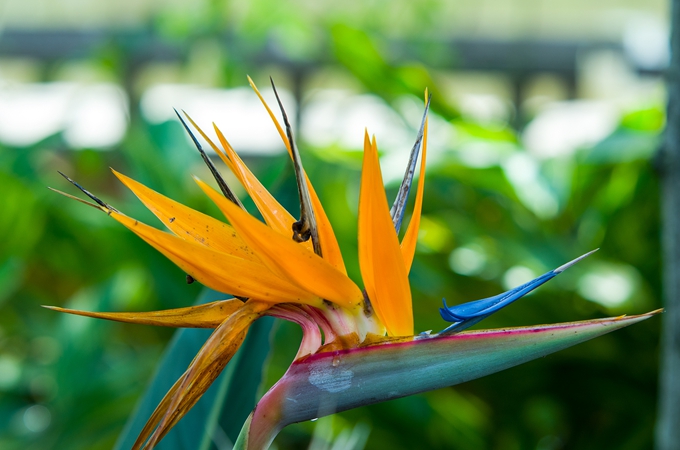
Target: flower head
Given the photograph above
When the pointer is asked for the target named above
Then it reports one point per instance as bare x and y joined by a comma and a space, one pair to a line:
294, 270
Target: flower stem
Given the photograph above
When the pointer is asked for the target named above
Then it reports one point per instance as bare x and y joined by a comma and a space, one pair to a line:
258, 434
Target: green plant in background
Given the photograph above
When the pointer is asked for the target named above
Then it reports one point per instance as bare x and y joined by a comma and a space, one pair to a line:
357, 348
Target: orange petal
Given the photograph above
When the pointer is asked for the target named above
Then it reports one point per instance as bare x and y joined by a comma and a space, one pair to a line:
188, 223
329, 244
282, 133
203, 370
286, 258
380, 259
208, 315
220, 271
364, 223
408, 243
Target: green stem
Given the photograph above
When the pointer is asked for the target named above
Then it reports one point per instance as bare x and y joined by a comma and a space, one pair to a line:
259, 434
242, 440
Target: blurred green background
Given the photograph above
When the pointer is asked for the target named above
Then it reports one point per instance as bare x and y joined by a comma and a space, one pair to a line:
546, 117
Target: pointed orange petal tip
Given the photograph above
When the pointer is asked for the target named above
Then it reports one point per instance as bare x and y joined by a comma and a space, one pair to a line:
227, 162
282, 133
208, 315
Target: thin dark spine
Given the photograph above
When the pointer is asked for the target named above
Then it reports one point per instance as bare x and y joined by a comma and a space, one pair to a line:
399, 206
89, 194
224, 187
306, 227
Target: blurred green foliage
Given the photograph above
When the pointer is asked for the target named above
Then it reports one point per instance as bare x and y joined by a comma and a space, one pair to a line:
71, 382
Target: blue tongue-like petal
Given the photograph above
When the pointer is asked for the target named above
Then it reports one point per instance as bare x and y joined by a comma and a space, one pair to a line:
490, 305
467, 314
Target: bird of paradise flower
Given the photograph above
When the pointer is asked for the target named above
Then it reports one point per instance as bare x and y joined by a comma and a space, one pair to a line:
358, 346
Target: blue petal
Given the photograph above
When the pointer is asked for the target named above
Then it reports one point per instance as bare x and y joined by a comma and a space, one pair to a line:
467, 314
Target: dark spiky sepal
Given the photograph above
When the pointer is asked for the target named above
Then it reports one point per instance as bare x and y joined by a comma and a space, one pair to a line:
399, 206
224, 187
102, 205
306, 227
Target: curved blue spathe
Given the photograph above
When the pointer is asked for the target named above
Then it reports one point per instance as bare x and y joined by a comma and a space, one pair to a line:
467, 314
